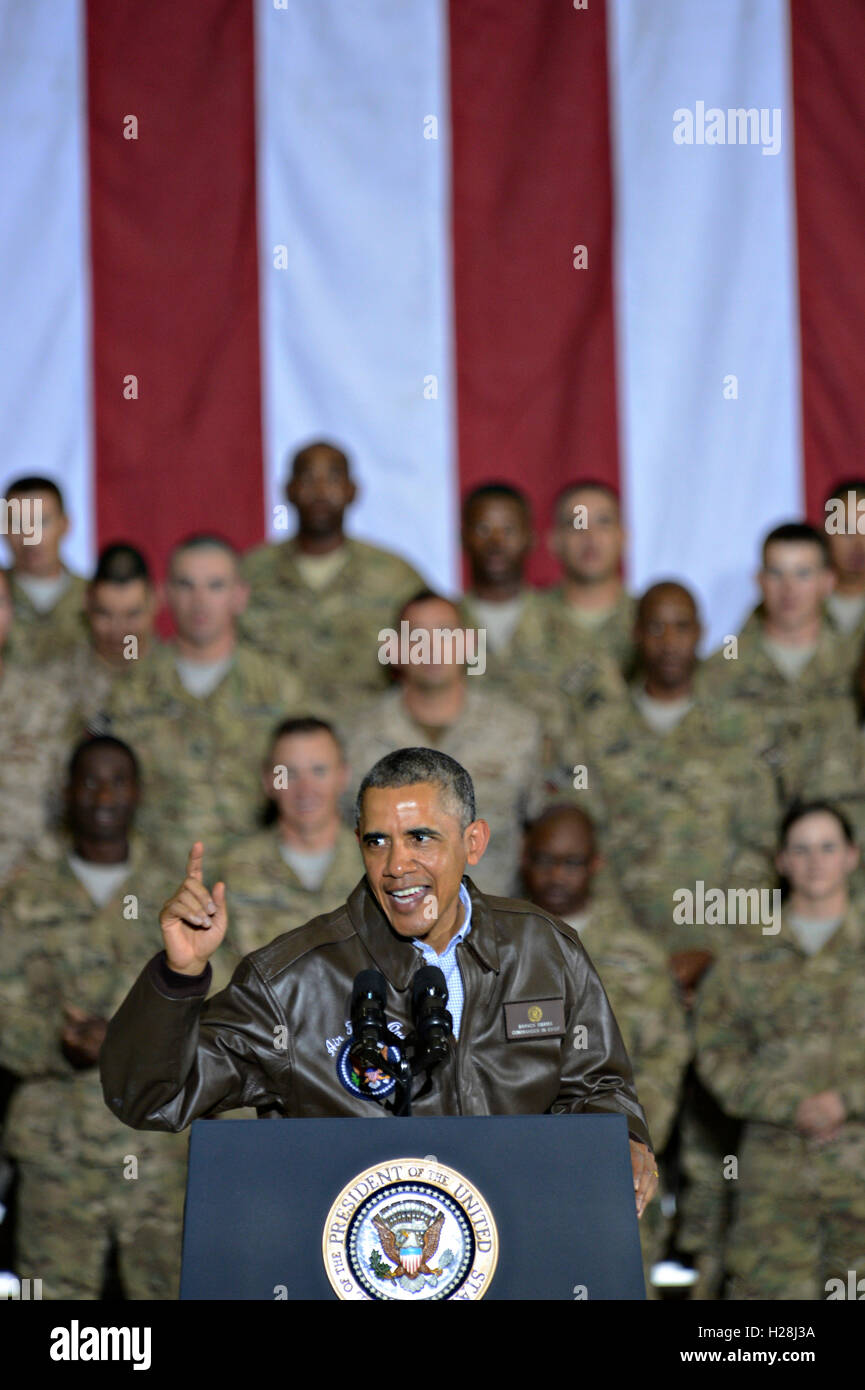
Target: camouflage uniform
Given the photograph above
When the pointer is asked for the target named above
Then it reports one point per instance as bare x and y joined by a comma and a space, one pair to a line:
88, 681
528, 650
34, 713
201, 758
833, 769
614, 636
58, 947
674, 808
638, 984
775, 1026
500, 746
852, 640
265, 896
38, 638
551, 670
330, 635
784, 710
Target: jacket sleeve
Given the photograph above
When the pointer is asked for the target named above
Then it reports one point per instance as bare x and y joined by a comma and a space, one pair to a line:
596, 1075
171, 1056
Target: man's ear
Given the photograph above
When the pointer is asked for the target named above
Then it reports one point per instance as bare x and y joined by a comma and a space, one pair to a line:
242, 592
267, 780
476, 837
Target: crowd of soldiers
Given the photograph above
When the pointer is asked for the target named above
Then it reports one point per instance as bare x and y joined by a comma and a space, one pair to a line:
695, 820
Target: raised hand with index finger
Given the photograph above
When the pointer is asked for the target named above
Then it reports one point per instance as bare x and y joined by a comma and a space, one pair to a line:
193, 920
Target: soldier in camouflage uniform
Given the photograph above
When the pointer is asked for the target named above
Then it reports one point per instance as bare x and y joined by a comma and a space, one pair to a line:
833, 769
34, 714
672, 781
529, 656
77, 924
320, 599
200, 710
845, 535
437, 705
304, 777
497, 536
780, 1033
48, 598
591, 605
787, 670
119, 609
559, 867
682, 801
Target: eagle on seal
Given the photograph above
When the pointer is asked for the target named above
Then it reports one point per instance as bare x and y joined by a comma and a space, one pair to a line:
392, 1247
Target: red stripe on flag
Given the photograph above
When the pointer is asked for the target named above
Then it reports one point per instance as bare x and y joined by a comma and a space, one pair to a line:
829, 111
536, 382
175, 285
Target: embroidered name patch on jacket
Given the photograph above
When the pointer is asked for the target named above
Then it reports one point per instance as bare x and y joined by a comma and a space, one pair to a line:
535, 1018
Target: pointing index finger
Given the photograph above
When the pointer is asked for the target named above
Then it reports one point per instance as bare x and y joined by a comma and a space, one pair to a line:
195, 861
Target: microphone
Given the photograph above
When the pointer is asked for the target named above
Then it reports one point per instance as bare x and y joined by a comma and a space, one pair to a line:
432, 1023
368, 1023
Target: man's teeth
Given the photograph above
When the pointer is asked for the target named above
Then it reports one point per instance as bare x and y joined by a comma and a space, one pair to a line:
406, 892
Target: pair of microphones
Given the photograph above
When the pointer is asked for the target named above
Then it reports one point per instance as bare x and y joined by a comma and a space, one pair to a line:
374, 1045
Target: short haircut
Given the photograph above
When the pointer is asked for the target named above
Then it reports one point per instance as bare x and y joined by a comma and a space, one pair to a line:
666, 584
86, 745
309, 448
406, 766
33, 483
120, 563
840, 490
555, 811
797, 532
500, 490
305, 724
427, 596
799, 810
584, 485
204, 540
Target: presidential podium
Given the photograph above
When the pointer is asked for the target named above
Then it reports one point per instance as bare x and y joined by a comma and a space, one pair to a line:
412, 1210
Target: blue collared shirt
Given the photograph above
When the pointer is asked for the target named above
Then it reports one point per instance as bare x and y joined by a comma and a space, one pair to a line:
449, 965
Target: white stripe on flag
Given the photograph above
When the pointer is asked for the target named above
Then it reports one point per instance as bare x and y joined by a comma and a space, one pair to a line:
706, 290
45, 419
359, 320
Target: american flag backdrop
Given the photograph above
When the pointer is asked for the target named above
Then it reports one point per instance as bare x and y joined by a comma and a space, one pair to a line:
463, 239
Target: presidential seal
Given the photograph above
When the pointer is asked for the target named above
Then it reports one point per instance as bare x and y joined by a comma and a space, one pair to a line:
362, 1080
410, 1230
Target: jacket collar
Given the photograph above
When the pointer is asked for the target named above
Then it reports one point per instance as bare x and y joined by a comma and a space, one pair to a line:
396, 957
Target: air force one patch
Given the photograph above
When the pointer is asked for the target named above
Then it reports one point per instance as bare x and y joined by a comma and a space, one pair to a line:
410, 1231
368, 1082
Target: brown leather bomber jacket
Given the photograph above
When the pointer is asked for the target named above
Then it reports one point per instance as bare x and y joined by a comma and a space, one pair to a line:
271, 1039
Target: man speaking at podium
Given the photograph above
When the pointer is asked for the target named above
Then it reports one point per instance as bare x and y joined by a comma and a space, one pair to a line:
532, 1031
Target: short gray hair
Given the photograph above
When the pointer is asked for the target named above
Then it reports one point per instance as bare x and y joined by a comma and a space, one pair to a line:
406, 766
